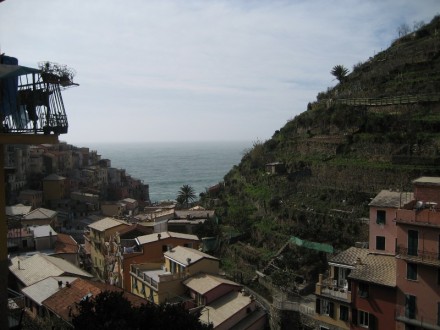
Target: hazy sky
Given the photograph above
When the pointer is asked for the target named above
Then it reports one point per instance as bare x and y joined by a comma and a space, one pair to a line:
184, 70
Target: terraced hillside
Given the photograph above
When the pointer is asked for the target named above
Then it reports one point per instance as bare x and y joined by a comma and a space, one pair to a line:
379, 128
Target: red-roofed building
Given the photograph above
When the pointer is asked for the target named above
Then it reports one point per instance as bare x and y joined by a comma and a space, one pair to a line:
63, 304
67, 248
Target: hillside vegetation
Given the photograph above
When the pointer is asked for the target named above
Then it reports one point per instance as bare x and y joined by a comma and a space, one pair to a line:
379, 128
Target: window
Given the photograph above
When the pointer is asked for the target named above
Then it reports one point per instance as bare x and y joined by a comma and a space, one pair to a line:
325, 307
411, 271
380, 243
363, 318
343, 313
410, 306
381, 217
413, 242
363, 290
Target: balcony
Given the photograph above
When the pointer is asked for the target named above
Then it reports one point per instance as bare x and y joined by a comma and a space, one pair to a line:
152, 275
419, 256
32, 102
418, 321
329, 287
421, 217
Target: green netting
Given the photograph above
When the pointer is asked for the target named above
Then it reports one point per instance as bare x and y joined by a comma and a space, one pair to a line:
311, 245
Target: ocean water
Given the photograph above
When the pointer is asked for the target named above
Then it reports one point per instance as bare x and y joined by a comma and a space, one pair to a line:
167, 166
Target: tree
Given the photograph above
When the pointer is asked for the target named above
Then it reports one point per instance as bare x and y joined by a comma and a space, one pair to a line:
340, 72
111, 310
186, 195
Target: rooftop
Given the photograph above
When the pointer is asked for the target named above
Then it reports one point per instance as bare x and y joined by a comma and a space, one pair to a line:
428, 180
30, 270
376, 268
67, 298
187, 256
40, 213
224, 308
145, 239
349, 257
47, 287
66, 244
107, 223
203, 283
394, 199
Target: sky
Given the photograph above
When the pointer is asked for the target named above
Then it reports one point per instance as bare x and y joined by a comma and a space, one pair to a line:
198, 70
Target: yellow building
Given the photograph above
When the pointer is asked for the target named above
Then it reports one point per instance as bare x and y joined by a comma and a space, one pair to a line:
163, 282
102, 235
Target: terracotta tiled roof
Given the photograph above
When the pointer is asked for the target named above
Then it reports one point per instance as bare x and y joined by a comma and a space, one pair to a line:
375, 268
65, 244
349, 257
66, 299
394, 199
203, 283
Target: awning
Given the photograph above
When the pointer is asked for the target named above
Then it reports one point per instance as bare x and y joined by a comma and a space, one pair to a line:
8, 71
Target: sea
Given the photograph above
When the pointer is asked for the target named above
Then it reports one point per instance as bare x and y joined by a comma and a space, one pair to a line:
167, 166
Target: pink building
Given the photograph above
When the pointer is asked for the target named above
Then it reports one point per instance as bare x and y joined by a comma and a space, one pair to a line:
418, 258
383, 228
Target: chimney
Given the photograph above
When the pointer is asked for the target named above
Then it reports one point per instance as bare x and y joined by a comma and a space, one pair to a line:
60, 284
67, 284
159, 236
358, 261
19, 264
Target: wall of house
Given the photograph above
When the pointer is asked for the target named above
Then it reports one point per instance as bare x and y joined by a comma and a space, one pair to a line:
387, 230
380, 302
204, 265
426, 289
333, 321
427, 193
45, 243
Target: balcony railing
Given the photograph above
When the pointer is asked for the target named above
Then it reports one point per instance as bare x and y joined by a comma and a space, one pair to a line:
421, 256
142, 274
422, 217
419, 321
32, 104
329, 287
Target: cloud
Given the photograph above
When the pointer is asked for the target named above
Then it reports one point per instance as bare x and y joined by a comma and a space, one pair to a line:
229, 69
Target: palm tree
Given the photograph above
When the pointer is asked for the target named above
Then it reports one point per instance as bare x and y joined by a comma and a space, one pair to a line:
340, 72
186, 195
